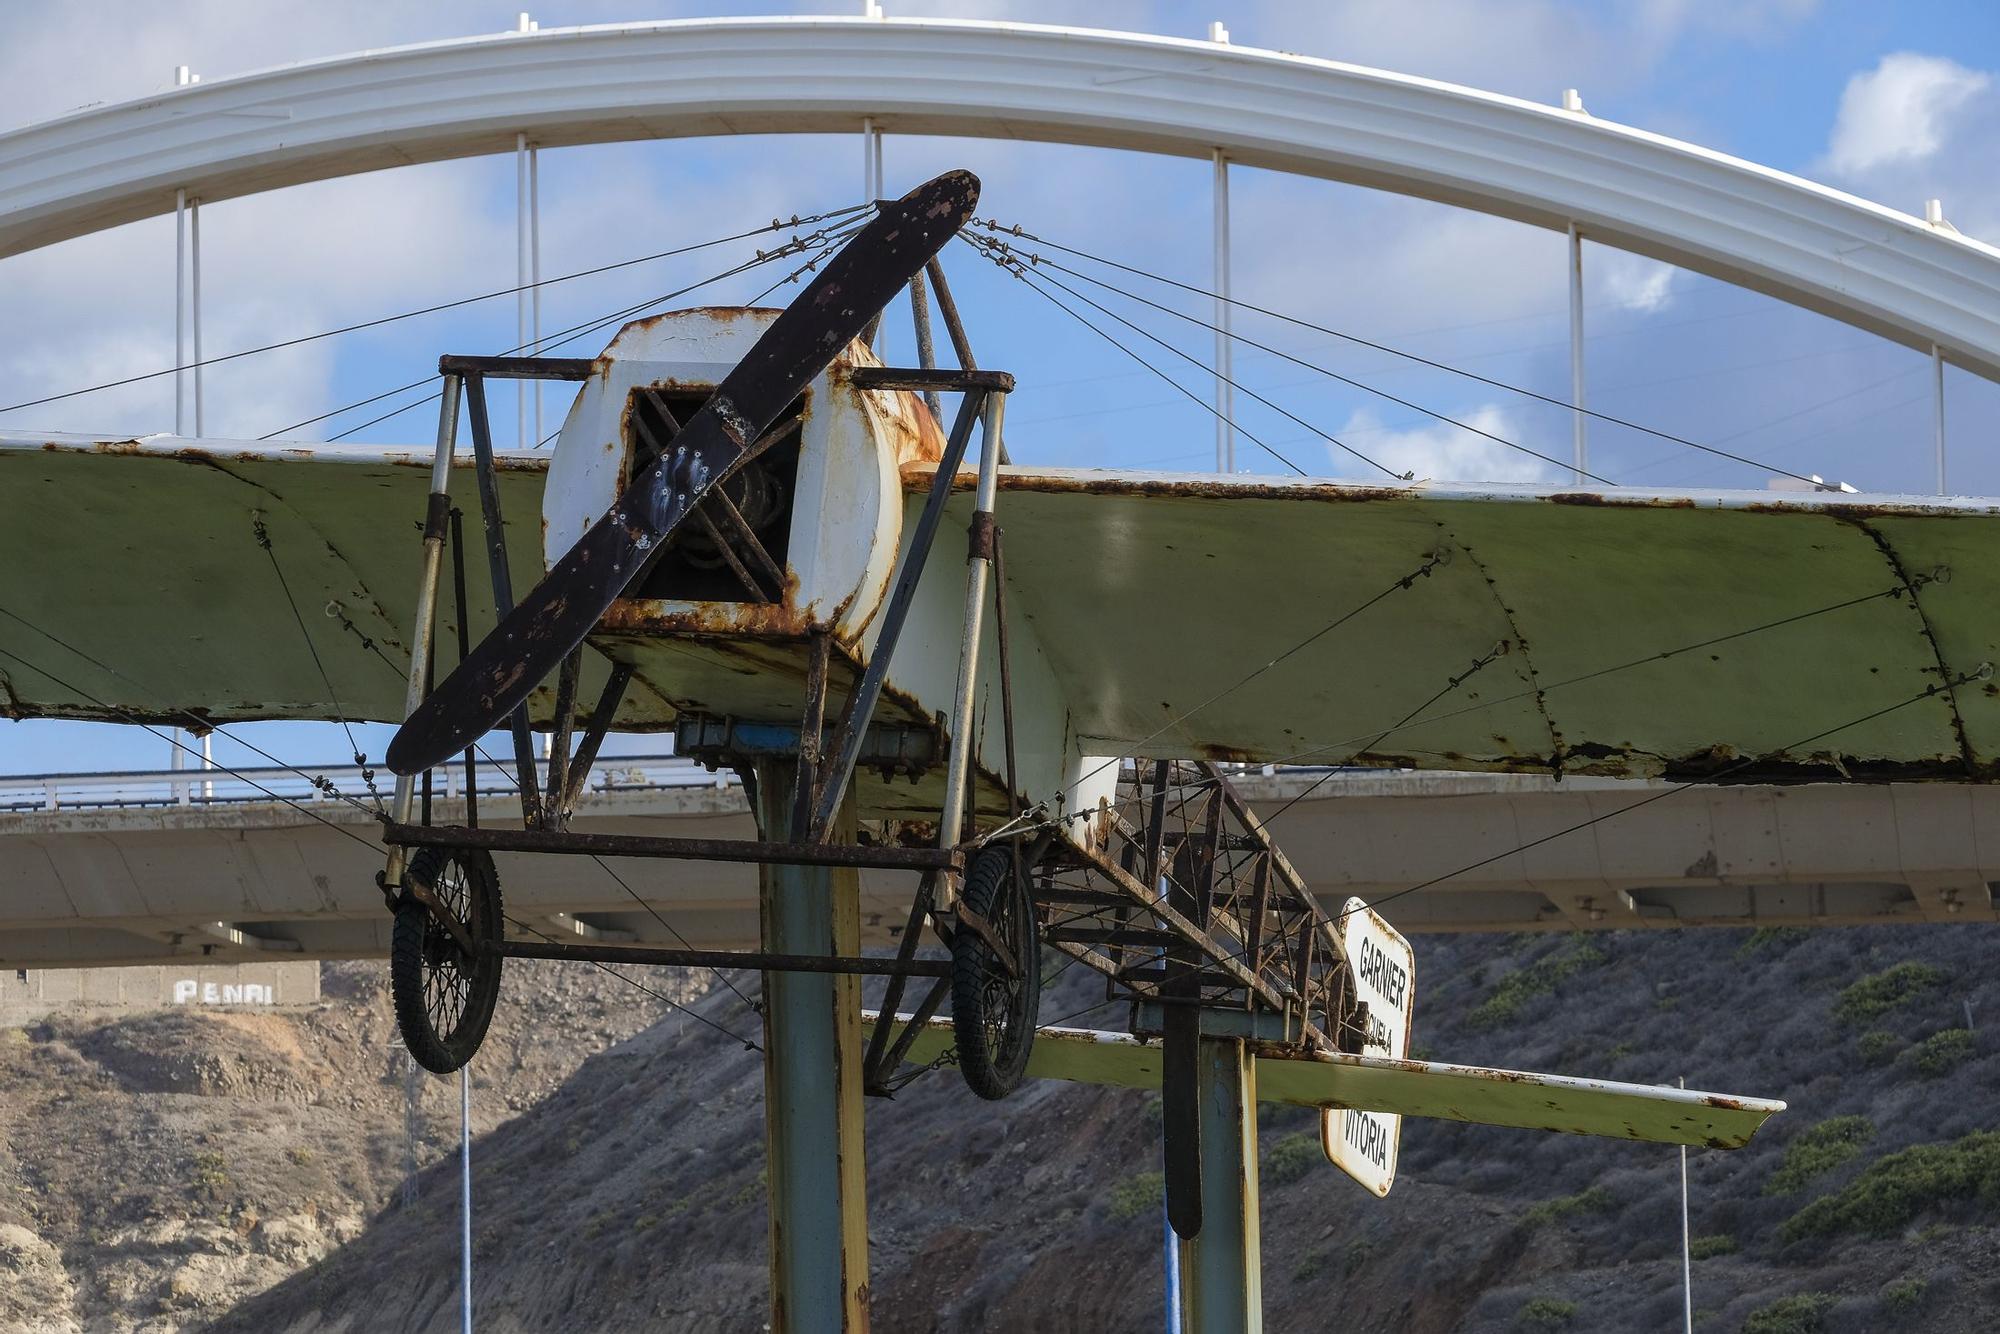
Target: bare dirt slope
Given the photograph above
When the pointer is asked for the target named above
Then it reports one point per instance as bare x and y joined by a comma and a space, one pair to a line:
631, 1198
157, 1168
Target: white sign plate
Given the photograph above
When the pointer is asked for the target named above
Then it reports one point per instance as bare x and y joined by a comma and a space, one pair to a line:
1364, 1144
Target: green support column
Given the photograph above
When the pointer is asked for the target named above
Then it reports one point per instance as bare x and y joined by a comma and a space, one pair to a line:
812, 1083
1222, 1282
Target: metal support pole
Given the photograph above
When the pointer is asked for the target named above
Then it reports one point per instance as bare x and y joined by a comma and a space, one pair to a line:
860, 708
194, 304
1221, 1272
465, 1199
184, 77
459, 605
1937, 411
812, 1081
435, 523
871, 189
871, 159
535, 273
521, 267
180, 311
413, 1124
1687, 1251
961, 346
920, 325
503, 582
1577, 419
1225, 392
978, 565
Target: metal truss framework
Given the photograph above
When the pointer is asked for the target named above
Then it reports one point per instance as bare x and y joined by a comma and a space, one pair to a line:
1195, 903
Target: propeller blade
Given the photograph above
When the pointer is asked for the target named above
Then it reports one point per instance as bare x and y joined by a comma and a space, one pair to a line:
560, 611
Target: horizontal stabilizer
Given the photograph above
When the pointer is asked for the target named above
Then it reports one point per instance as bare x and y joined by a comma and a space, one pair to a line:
1411, 1088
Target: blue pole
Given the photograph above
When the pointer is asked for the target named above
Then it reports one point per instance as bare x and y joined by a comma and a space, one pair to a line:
465, 1200
1173, 1243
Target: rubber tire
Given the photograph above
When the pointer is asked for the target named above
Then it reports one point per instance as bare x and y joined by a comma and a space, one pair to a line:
442, 1053
990, 890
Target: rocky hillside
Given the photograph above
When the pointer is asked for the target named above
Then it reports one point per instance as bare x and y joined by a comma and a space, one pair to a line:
631, 1197
156, 1169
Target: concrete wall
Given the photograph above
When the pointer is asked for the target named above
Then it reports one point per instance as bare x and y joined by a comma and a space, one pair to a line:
31, 993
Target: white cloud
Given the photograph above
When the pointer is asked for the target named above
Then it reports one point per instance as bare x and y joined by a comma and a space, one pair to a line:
1446, 453
1382, 264
276, 266
1531, 48
1644, 286
1900, 111
1917, 127
75, 55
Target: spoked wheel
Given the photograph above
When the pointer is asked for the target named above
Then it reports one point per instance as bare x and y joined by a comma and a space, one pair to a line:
445, 996
993, 1012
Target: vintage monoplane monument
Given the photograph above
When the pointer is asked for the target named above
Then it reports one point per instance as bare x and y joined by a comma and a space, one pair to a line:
747, 535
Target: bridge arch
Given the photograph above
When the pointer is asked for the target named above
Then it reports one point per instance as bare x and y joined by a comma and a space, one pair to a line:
1885, 271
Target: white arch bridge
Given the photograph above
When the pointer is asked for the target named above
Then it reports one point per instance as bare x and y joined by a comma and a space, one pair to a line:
1922, 285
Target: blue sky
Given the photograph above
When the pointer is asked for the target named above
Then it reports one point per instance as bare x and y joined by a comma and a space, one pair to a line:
1895, 102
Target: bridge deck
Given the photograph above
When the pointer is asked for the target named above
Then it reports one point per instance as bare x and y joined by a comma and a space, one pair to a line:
119, 869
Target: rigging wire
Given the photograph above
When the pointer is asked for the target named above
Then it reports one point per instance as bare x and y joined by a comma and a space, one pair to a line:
334, 609
775, 224
169, 736
561, 337
1984, 671
1515, 350
1078, 1014
1451, 684
1180, 388
1412, 720
1916, 582
514, 783
993, 225
1039, 260
263, 535
756, 1007
689, 1011
319, 781
1403, 584
822, 244
1393, 425
1848, 421
823, 240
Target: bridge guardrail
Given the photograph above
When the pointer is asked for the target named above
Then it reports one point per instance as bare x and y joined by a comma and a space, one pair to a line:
136, 788
125, 789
